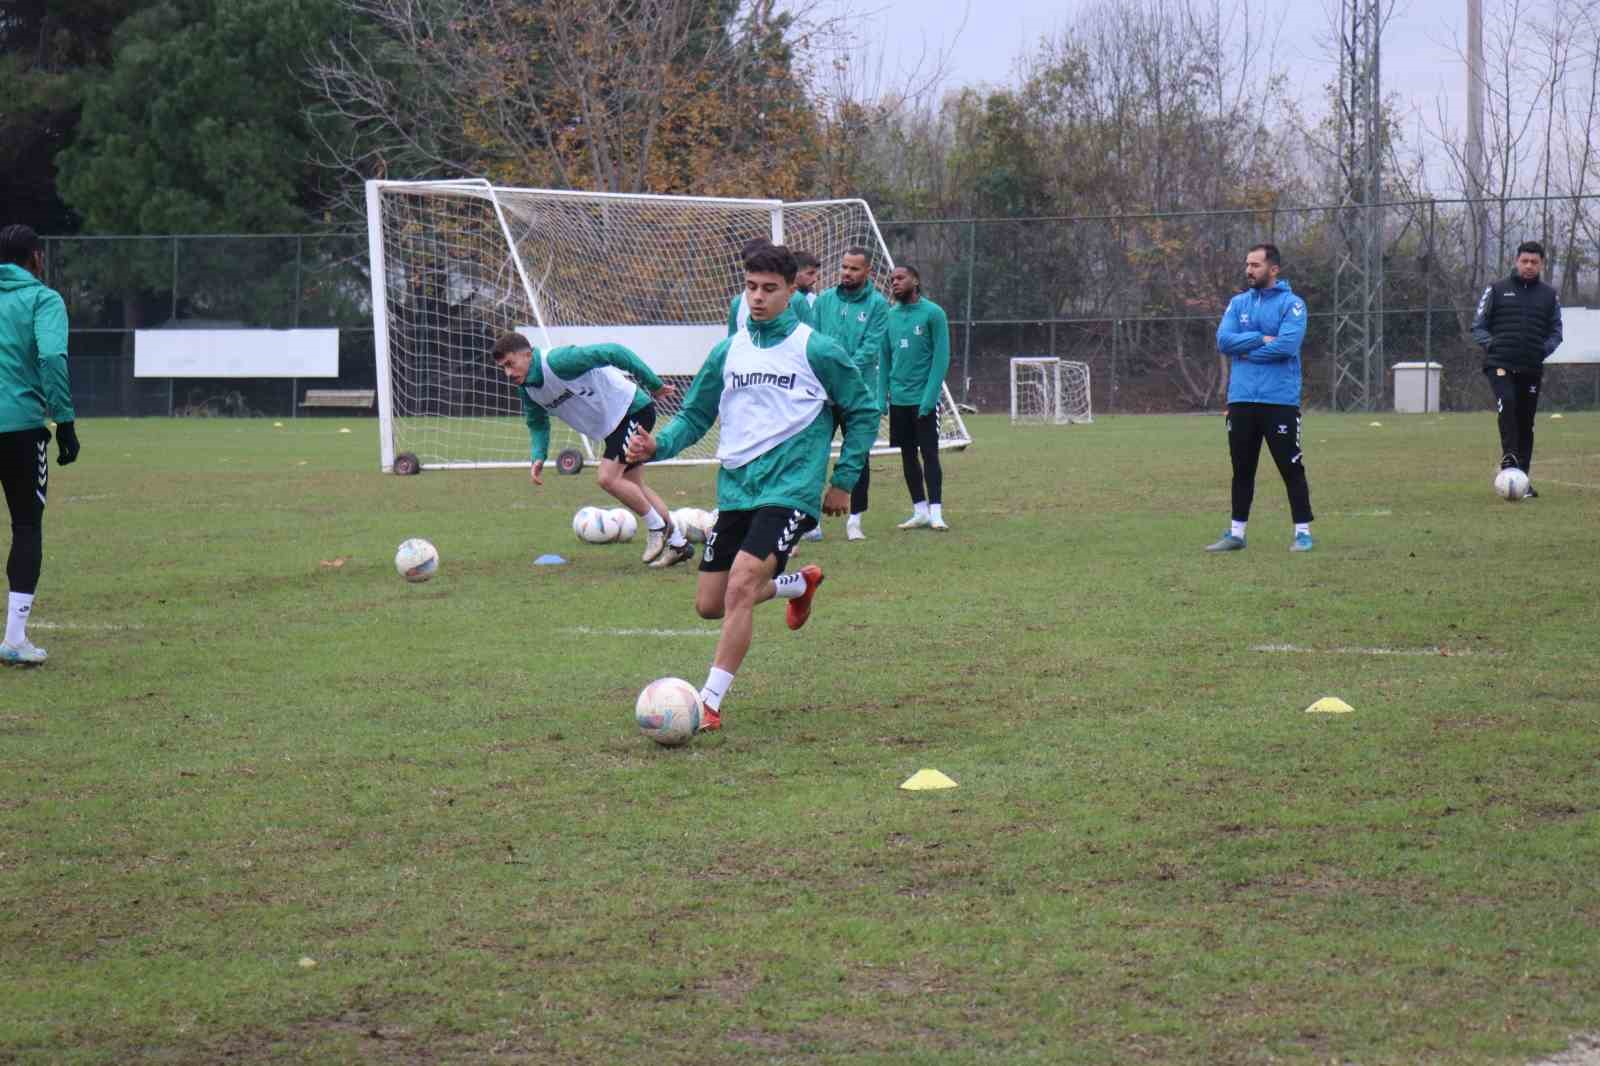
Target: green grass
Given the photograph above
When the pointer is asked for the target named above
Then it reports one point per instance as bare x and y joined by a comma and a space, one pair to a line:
238, 756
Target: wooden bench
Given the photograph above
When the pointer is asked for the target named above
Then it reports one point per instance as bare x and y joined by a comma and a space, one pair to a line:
362, 398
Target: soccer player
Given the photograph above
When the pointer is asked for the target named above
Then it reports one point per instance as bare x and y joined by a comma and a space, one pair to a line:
910, 381
855, 314
739, 307
771, 386
805, 278
1518, 326
1259, 341
587, 388
33, 387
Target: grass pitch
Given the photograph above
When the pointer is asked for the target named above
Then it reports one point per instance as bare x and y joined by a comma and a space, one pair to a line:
241, 756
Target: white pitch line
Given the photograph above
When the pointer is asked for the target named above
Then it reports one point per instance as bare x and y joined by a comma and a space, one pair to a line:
110, 626
1567, 484
590, 631
1442, 652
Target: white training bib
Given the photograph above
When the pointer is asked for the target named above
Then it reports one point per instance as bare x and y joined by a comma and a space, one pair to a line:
593, 403
768, 396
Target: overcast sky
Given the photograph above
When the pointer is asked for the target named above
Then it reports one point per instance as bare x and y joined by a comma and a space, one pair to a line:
1419, 61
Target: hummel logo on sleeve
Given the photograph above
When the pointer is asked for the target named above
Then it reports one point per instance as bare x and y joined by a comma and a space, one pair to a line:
1298, 309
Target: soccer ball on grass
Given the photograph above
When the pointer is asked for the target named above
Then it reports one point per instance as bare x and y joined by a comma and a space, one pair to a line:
416, 559
627, 523
594, 526
1511, 484
668, 711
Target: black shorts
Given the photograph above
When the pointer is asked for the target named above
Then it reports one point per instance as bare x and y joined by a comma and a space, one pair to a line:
762, 532
25, 473
906, 428
617, 443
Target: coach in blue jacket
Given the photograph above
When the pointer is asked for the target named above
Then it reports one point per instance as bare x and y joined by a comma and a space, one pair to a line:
1259, 341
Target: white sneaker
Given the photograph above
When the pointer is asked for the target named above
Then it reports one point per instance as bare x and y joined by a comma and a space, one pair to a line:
854, 533
655, 542
24, 654
916, 521
938, 525
812, 534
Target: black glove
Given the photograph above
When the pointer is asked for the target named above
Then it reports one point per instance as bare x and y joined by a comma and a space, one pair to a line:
67, 440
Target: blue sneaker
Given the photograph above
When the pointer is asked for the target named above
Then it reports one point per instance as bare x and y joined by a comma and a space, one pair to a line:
815, 534
1228, 543
1302, 543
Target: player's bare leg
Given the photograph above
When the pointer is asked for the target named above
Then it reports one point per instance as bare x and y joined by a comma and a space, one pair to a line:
628, 488
731, 596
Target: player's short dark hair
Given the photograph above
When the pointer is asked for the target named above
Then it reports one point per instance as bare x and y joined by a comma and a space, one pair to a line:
753, 245
1270, 251
861, 250
772, 259
18, 243
806, 259
1531, 246
509, 343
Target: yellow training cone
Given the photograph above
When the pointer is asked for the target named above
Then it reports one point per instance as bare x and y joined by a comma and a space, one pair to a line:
1555, 416
1374, 423
1330, 705
926, 779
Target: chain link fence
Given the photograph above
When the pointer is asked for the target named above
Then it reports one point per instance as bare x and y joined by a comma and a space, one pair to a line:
1136, 297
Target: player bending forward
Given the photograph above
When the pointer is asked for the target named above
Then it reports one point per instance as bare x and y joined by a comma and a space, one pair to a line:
771, 385
585, 386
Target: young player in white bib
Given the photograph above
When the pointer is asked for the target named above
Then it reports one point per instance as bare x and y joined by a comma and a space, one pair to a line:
775, 387
587, 388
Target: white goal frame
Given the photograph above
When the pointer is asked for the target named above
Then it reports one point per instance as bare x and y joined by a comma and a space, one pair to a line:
496, 258
1046, 390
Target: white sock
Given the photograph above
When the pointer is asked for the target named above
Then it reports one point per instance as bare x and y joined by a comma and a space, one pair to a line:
936, 512
18, 607
790, 586
854, 521
653, 519
717, 684
920, 507
1303, 527
1237, 529
677, 538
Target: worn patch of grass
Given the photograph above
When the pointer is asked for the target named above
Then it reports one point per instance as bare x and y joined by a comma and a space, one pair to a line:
238, 756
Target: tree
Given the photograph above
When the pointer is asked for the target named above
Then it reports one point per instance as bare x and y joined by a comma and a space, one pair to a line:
200, 124
685, 96
51, 53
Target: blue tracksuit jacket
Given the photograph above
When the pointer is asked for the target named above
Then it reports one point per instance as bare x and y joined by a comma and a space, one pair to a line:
1262, 372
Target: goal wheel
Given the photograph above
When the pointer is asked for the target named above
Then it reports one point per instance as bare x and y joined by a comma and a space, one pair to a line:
407, 464
570, 461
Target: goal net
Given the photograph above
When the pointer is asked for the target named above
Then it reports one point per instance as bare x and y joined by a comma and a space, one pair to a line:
1049, 391
456, 264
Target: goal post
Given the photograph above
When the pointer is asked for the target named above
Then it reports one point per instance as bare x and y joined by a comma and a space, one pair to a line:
1049, 391
455, 264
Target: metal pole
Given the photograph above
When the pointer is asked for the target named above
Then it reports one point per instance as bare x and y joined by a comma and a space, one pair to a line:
1427, 312
966, 346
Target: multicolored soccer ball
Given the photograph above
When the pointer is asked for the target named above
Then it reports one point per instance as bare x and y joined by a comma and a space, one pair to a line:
1511, 484
416, 559
594, 526
668, 711
627, 522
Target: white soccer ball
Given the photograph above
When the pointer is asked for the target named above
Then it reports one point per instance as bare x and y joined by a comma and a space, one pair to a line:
1511, 484
416, 559
627, 522
594, 526
668, 711
691, 521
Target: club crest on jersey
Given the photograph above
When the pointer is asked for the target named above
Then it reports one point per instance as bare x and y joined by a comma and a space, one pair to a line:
862, 317
917, 330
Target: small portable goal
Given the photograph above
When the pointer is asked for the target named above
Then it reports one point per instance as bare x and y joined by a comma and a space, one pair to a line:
1049, 391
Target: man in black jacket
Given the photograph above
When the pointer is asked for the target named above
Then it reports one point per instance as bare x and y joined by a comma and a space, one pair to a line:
1518, 326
